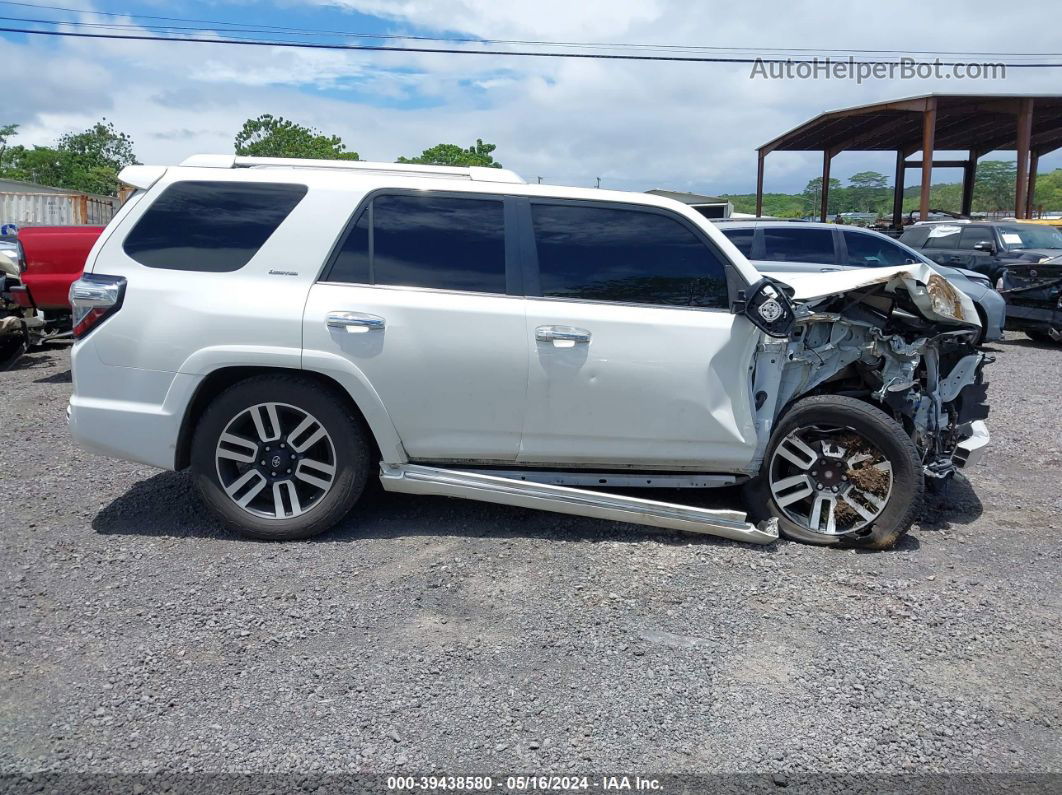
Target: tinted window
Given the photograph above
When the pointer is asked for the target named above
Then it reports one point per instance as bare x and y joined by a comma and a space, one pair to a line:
210, 226
972, 235
871, 251
742, 238
915, 236
438, 241
793, 244
943, 236
606, 254
352, 261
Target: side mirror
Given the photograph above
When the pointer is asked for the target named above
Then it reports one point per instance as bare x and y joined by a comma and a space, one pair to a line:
769, 308
986, 246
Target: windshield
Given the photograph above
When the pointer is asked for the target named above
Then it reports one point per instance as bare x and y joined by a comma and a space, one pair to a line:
1021, 236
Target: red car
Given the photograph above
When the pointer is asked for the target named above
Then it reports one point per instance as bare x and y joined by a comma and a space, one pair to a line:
54, 259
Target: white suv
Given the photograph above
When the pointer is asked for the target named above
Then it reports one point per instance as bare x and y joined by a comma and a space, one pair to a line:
289, 328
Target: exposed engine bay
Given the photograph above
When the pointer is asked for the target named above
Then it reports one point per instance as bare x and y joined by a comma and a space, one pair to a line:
901, 338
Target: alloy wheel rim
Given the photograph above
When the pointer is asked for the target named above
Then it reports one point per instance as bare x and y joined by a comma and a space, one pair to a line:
830, 480
275, 461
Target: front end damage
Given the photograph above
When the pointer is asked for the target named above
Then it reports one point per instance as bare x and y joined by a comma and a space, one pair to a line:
901, 338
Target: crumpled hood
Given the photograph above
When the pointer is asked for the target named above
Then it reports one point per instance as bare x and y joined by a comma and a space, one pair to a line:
936, 298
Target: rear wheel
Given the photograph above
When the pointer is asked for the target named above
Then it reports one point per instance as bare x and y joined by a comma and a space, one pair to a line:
838, 470
280, 457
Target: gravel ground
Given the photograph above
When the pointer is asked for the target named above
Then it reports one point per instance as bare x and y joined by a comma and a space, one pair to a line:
438, 635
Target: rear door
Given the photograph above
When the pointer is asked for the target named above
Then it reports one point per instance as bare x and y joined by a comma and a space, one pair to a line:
421, 298
635, 359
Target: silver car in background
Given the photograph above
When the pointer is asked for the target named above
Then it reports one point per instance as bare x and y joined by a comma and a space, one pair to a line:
805, 247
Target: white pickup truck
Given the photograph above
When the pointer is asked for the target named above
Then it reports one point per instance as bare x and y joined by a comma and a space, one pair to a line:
290, 328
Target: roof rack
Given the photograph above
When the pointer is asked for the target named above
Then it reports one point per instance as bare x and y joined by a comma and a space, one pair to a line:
475, 173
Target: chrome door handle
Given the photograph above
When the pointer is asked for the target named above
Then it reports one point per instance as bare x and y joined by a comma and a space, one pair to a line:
354, 322
562, 334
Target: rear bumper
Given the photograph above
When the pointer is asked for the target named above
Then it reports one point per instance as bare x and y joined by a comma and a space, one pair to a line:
971, 450
127, 412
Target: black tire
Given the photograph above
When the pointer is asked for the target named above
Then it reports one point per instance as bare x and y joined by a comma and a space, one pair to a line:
1040, 336
877, 428
348, 435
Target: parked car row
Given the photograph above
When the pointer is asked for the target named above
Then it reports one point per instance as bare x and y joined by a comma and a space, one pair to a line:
288, 329
1023, 260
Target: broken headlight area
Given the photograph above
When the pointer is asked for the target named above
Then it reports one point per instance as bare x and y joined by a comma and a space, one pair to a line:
905, 344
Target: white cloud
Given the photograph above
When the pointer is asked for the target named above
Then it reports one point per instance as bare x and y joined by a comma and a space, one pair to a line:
634, 124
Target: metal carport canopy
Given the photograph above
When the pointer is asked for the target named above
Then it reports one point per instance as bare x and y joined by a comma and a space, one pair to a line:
978, 123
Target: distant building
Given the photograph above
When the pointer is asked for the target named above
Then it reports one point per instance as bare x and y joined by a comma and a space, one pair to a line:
708, 206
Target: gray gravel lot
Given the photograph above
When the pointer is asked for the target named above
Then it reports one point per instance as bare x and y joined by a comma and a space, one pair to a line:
437, 635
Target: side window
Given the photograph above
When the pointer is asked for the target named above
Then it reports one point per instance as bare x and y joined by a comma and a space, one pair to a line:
870, 251
741, 238
352, 261
441, 242
793, 244
915, 236
214, 227
972, 235
630, 256
943, 236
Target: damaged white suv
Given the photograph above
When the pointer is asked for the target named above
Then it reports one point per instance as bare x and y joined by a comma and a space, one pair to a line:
290, 328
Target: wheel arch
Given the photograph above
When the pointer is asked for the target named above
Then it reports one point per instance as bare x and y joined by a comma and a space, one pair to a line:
385, 441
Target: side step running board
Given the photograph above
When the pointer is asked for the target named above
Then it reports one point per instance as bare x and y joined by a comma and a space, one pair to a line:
416, 479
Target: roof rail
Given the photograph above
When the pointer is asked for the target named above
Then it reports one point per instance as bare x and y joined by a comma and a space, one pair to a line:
476, 173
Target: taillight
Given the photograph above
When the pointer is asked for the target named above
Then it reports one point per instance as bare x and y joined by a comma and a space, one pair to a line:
93, 298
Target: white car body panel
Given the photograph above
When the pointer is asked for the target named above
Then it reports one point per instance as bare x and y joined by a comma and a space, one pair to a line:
451, 368
654, 387
917, 279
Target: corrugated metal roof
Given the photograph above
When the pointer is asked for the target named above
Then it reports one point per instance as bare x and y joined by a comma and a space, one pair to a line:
983, 122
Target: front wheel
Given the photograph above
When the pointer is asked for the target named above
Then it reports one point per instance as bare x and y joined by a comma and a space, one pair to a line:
838, 470
280, 457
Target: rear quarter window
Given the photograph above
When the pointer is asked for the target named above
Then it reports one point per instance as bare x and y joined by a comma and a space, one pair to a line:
212, 227
741, 238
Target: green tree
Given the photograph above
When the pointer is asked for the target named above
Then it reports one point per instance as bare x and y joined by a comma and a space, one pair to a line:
812, 195
868, 191
994, 185
1049, 191
275, 136
454, 155
6, 131
86, 161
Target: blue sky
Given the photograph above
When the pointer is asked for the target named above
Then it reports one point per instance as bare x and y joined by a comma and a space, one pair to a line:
635, 125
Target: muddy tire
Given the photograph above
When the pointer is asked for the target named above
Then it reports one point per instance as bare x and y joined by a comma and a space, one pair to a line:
280, 457
838, 471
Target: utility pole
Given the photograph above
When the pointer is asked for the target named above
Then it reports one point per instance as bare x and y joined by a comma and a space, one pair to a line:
598, 185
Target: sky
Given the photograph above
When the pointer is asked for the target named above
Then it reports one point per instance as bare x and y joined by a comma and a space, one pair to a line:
634, 125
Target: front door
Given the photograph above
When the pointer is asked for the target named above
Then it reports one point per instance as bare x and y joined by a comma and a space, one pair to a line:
636, 360
418, 302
